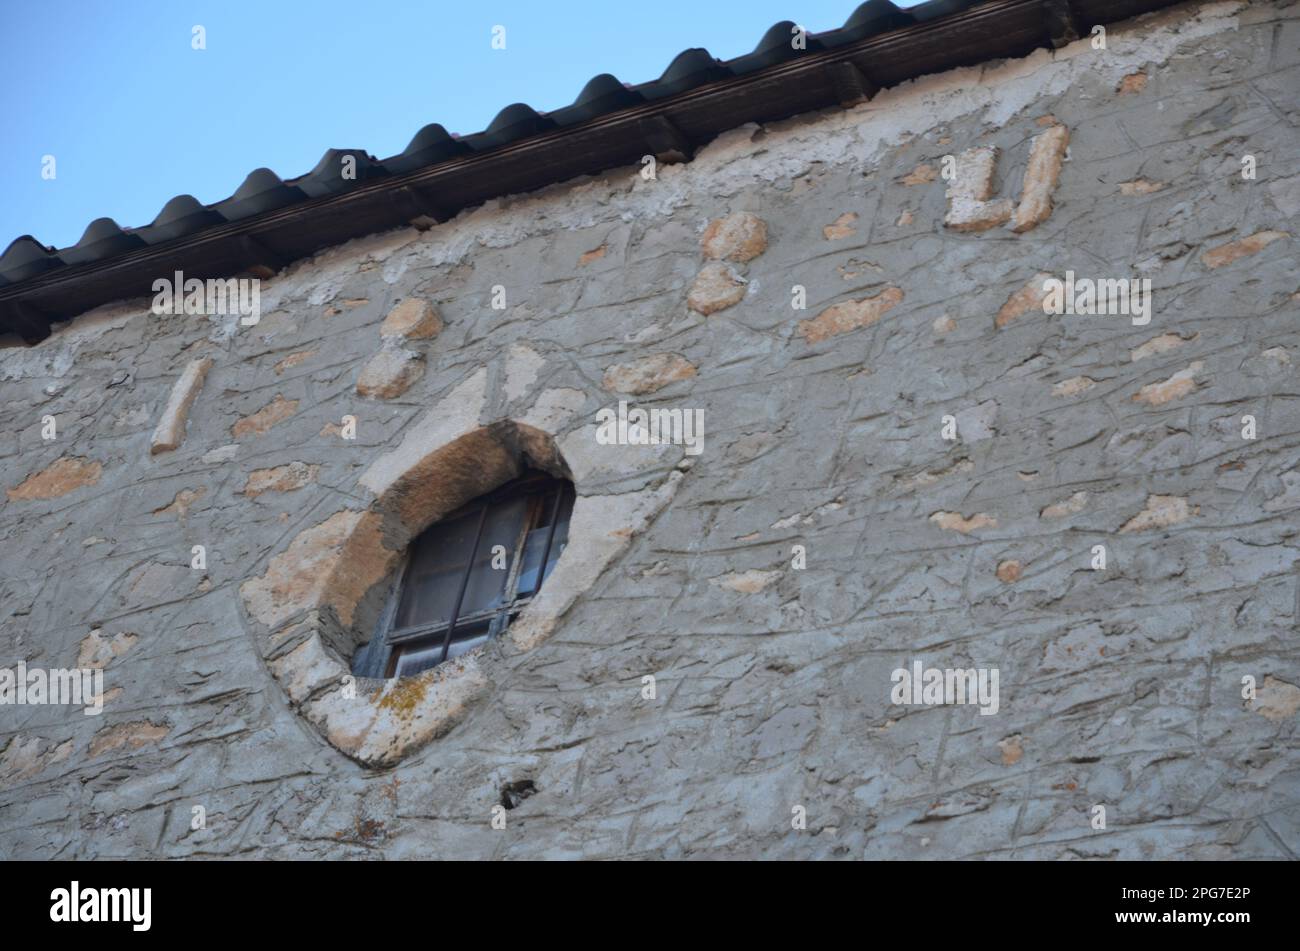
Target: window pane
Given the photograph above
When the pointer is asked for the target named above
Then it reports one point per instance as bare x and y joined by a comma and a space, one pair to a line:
459, 646
426, 653
412, 660
505, 521
561, 530
510, 523
437, 567
533, 547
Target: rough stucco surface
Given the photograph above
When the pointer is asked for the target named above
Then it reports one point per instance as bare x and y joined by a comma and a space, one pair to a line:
1119, 687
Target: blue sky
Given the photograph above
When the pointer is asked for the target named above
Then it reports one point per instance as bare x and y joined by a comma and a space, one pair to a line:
133, 115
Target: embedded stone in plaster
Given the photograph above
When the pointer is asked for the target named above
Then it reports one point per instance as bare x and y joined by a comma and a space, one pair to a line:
955, 522
170, 432
104, 697
555, 408
1071, 506
445, 462
24, 758
1140, 186
293, 359
841, 227
589, 459
738, 237
181, 502
1045, 157
412, 319
716, 288
294, 633
1132, 83
97, 651
746, 582
969, 207
522, 366
452, 416
445, 470
1223, 254
365, 561
1161, 344
849, 315
390, 372
600, 529
1029, 297
923, 174
928, 477
306, 669
442, 480
130, 735
288, 478
648, 374
1161, 511
1275, 699
538, 448
1073, 386
1176, 387
1009, 571
332, 564
221, 453
61, 477
387, 720
258, 423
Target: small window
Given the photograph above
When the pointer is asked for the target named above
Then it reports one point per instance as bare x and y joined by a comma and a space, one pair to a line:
467, 576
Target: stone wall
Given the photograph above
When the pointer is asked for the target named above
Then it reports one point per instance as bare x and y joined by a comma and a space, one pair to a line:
825, 428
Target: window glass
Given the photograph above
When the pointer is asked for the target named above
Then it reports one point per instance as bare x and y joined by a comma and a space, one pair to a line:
461, 645
535, 544
487, 584
435, 573
414, 659
512, 524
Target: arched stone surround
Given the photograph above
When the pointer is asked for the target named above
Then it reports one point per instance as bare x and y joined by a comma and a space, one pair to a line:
319, 599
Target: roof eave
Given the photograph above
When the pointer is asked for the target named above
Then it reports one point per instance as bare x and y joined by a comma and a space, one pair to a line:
671, 128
